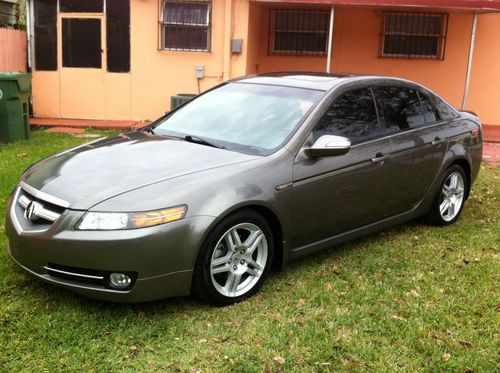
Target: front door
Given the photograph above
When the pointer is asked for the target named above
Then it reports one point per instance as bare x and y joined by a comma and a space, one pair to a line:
336, 194
82, 64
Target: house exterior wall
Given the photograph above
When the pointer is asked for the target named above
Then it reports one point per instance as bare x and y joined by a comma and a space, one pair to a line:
12, 50
356, 47
484, 94
144, 93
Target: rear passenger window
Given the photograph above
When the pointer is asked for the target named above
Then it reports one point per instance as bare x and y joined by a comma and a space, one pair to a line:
428, 109
445, 111
352, 115
401, 108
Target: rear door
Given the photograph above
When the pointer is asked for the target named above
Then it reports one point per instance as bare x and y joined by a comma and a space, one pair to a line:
331, 195
418, 143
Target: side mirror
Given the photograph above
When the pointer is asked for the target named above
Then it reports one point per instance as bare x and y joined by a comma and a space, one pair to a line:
329, 145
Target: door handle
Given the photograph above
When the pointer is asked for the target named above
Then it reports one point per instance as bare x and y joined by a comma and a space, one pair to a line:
437, 141
379, 157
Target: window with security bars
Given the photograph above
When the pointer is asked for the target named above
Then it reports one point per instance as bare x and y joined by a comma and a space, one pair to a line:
413, 35
185, 25
298, 32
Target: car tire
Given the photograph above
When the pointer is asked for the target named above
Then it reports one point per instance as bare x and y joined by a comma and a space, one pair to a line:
234, 260
450, 197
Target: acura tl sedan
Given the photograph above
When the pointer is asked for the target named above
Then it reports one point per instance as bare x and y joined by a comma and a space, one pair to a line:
240, 180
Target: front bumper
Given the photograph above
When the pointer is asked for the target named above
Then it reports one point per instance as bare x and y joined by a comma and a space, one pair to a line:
163, 257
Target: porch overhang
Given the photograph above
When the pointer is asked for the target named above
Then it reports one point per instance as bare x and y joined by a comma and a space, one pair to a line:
478, 5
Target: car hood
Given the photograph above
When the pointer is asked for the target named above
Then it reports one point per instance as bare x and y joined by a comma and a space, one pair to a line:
94, 172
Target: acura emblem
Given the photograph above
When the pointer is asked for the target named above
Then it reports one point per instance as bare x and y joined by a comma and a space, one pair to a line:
32, 211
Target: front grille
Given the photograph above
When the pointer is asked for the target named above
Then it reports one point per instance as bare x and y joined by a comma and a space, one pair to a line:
37, 210
33, 210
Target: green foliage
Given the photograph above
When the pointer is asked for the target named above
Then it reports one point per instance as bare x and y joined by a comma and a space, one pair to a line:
412, 298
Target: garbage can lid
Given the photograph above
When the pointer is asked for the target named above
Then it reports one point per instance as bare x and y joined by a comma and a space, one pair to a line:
23, 80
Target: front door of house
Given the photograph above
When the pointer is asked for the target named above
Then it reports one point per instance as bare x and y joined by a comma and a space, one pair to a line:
82, 64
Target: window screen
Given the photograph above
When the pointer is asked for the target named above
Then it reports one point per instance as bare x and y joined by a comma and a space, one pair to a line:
298, 32
414, 35
401, 107
45, 12
428, 110
186, 25
118, 35
81, 42
352, 115
82, 6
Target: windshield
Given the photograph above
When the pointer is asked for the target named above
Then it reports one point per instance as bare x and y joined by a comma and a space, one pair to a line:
251, 118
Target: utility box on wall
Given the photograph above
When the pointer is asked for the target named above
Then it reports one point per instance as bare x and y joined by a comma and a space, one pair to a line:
236, 46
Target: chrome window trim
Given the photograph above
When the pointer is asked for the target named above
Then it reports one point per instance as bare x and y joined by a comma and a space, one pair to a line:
44, 196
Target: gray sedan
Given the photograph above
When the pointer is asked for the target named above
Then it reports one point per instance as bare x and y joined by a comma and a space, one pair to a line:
242, 179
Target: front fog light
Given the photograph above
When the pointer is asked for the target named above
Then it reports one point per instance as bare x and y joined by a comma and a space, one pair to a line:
119, 280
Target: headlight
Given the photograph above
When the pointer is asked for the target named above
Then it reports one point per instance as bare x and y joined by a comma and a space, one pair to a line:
130, 220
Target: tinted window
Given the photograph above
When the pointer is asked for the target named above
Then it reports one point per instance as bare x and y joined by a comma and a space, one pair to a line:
401, 108
81, 42
45, 35
428, 109
352, 115
445, 111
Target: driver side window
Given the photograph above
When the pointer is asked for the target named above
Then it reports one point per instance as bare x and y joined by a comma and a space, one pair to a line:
352, 115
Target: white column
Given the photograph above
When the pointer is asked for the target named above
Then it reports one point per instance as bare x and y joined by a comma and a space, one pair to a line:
330, 40
469, 64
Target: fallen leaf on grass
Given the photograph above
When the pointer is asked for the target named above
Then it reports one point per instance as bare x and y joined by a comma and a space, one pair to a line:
22, 155
413, 293
396, 317
445, 357
279, 360
466, 344
302, 301
134, 350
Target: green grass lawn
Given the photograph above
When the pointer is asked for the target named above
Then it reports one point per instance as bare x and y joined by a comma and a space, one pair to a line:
412, 298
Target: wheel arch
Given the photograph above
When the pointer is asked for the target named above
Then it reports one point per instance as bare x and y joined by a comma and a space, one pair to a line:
464, 164
271, 217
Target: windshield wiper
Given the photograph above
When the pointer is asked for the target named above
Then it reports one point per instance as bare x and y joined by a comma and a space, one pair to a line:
199, 140
150, 130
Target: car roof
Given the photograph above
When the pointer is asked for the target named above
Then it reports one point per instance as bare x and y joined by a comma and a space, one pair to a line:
310, 79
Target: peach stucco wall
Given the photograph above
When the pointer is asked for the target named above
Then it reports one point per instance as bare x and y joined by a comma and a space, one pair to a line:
144, 93
484, 96
355, 49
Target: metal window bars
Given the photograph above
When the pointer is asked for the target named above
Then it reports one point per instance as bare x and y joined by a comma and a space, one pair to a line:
184, 25
413, 35
298, 32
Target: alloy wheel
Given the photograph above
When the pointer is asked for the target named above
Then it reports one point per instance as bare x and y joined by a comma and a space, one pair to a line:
239, 260
452, 196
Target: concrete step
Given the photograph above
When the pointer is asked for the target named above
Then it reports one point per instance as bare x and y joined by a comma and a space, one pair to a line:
122, 125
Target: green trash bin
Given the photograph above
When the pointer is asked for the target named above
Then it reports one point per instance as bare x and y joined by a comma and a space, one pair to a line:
15, 91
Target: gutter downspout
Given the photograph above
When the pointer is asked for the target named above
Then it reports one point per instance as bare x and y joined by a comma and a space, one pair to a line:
330, 41
228, 26
469, 64
28, 34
